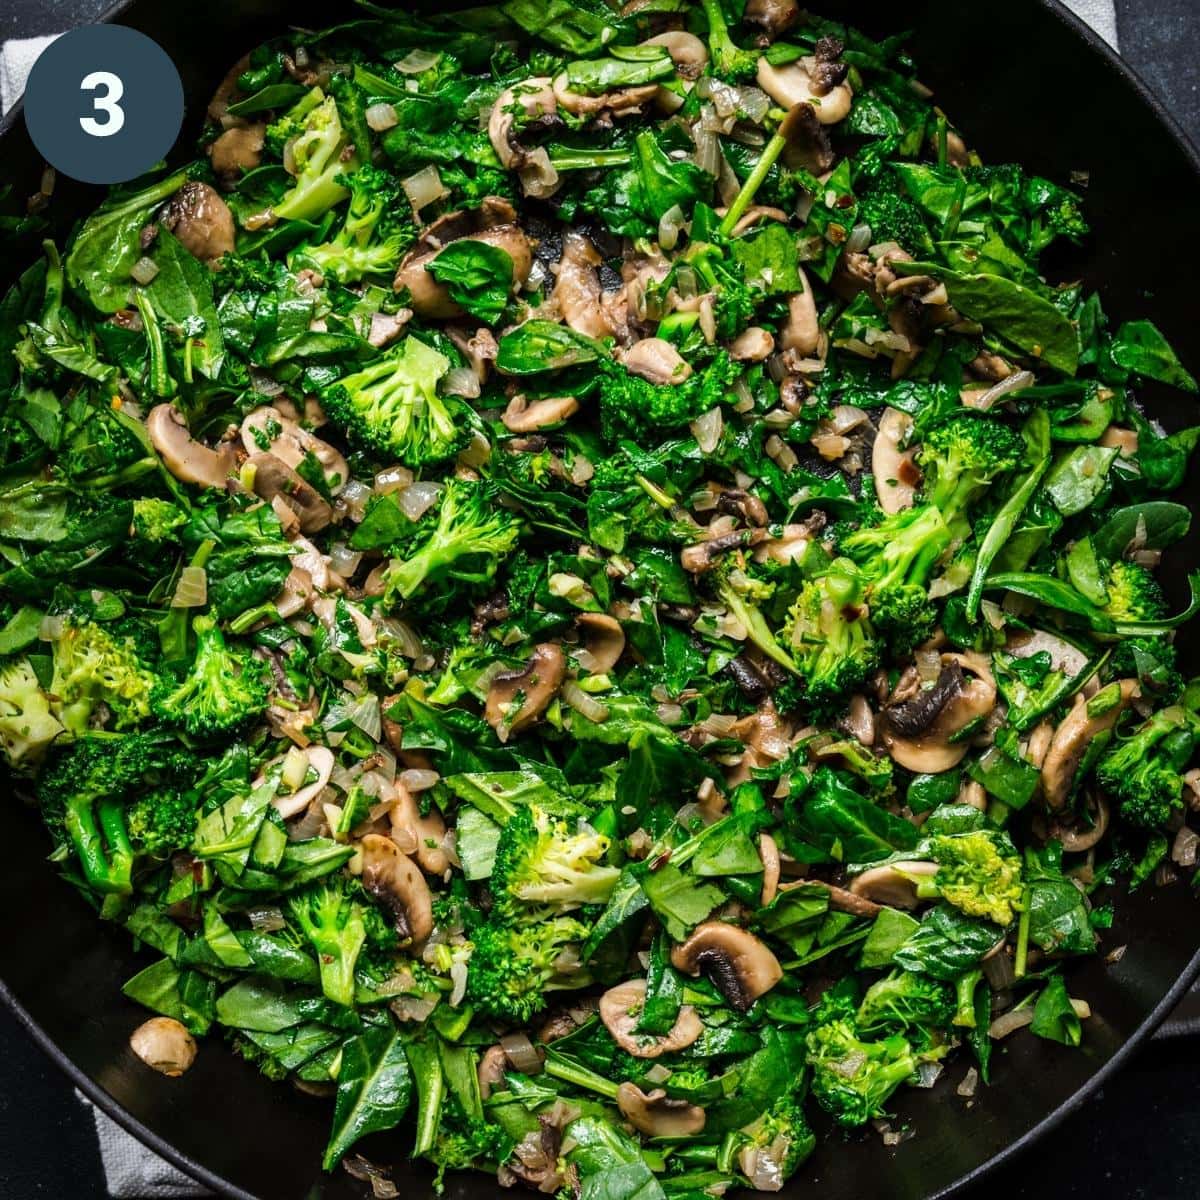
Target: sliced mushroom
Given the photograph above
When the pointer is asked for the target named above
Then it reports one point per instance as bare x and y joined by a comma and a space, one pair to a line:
703, 556
802, 333
237, 151
917, 731
397, 883
618, 100
808, 144
297, 593
492, 1067
267, 430
201, 220
164, 1045
842, 900
603, 642
656, 1115
320, 759
536, 98
521, 416
187, 459
621, 1010
894, 885
791, 84
577, 288
387, 327
752, 345
424, 836
894, 470
1064, 656
273, 478
687, 51
768, 852
740, 966
1072, 738
516, 699
1076, 836
656, 360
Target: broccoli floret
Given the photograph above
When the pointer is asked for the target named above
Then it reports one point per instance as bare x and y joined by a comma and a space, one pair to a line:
92, 665
27, 726
742, 596
469, 538
480, 1144
632, 406
335, 925
892, 216
223, 689
85, 791
392, 406
1149, 660
544, 866
511, 968
905, 1000
314, 131
373, 236
157, 521
961, 456
735, 302
898, 556
1133, 593
162, 821
852, 1079
775, 1145
830, 635
728, 60
1143, 772
979, 873
256, 1056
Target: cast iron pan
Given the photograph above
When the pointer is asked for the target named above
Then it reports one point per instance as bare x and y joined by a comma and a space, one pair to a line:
1026, 81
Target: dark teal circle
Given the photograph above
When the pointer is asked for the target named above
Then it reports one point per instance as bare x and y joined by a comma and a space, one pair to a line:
151, 101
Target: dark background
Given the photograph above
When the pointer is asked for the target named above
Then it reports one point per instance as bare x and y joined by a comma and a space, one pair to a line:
1138, 1140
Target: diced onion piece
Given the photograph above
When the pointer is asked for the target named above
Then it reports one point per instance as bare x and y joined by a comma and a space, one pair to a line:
707, 429
343, 561
582, 703
754, 103
144, 270
859, 239
295, 769
355, 496
1018, 381
50, 630
1010, 1022
1183, 849
417, 780
192, 589
365, 714
669, 225
266, 918
929, 665
970, 1083
381, 116
392, 480
416, 62
415, 501
521, 1053
461, 381
424, 187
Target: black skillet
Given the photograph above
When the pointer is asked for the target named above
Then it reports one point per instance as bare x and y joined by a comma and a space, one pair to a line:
1027, 82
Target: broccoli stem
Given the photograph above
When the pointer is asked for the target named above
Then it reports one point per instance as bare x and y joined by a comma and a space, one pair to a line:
580, 1076
1022, 935
565, 158
766, 160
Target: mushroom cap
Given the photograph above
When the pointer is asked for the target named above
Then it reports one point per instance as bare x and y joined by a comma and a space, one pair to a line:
536, 683
201, 221
740, 966
273, 479
802, 332
687, 51
577, 288
396, 881
656, 360
414, 834
791, 84
893, 885
656, 1115
267, 430
894, 470
536, 97
621, 1010
523, 416
1071, 740
164, 1045
187, 459
603, 642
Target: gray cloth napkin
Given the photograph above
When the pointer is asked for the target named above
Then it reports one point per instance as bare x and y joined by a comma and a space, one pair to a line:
131, 1170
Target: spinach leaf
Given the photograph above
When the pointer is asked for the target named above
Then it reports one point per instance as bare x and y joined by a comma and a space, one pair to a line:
638, 65
185, 995
374, 1089
478, 276
538, 346
1155, 525
1141, 349
845, 826
664, 991
575, 28
1054, 1016
1058, 921
1006, 776
947, 944
1079, 477
614, 935
891, 930
768, 260
182, 296
475, 841
680, 901
609, 1162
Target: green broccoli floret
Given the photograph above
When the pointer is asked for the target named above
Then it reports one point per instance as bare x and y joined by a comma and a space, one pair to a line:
632, 406
852, 1079
470, 536
92, 665
742, 596
735, 302
512, 968
86, 791
222, 690
1144, 772
728, 60
775, 1145
961, 456
314, 131
27, 726
392, 406
1152, 661
1133, 593
905, 1000
892, 216
374, 235
545, 866
481, 1144
157, 521
829, 633
256, 1056
335, 925
898, 557
979, 873
162, 821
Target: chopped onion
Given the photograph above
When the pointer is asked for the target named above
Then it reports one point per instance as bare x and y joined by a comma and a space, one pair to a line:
192, 589
392, 480
355, 496
417, 62
266, 918
539, 177
669, 714
582, 703
1010, 1022
1018, 381
781, 453
859, 239
415, 501
405, 638
416, 780
477, 451
969, 1084
707, 429
50, 630
461, 381
658, 1074
144, 270
289, 156
720, 725
424, 188
294, 770
999, 971
413, 1008
927, 1074
381, 116
521, 1053
1183, 849
365, 714
754, 103
458, 976
708, 150
669, 225
343, 561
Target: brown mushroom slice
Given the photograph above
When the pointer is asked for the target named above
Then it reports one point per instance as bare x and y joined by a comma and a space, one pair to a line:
809, 146
274, 478
894, 470
516, 699
656, 360
164, 1045
414, 834
1071, 740
917, 731
397, 883
266, 430
577, 288
522, 416
791, 84
752, 345
296, 595
768, 853
656, 1115
320, 760
237, 151
802, 332
201, 221
1074, 835
618, 100
603, 642
841, 899
1064, 656
187, 459
773, 17
687, 51
536, 97
492, 1067
621, 1010
740, 966
894, 885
